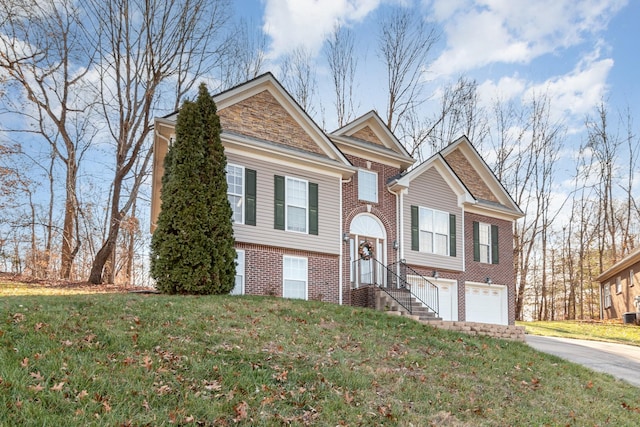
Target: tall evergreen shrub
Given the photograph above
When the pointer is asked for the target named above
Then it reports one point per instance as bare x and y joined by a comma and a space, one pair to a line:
192, 247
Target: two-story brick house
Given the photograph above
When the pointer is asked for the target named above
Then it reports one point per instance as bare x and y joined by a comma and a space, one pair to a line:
331, 216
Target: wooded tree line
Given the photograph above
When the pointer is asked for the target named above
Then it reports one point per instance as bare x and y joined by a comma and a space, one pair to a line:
81, 81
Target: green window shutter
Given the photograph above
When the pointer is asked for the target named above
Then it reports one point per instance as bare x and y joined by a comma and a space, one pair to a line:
452, 235
313, 208
494, 244
476, 241
250, 197
415, 230
278, 202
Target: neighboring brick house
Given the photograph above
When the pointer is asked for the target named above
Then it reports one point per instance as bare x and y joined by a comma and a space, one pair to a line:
620, 287
307, 205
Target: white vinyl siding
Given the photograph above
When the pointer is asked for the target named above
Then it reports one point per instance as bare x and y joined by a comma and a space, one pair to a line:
485, 243
368, 186
235, 191
434, 231
294, 275
296, 205
238, 288
329, 214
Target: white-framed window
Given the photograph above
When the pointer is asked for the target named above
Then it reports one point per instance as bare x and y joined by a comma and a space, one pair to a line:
485, 242
607, 295
618, 285
235, 191
238, 288
434, 231
632, 278
367, 186
297, 204
294, 277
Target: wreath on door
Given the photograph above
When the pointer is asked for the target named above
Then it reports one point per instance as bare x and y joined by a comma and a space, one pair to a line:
365, 250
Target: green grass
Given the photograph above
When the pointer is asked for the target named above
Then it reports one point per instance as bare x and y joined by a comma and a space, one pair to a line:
611, 332
128, 359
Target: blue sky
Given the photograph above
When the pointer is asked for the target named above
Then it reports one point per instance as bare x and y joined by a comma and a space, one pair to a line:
579, 51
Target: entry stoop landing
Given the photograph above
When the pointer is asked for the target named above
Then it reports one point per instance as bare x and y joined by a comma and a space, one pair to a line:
384, 302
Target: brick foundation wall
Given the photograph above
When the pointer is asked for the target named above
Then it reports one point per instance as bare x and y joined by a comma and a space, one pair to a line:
263, 272
364, 297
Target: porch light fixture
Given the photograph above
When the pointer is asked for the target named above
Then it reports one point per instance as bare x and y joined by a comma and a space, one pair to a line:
395, 244
435, 274
345, 237
488, 280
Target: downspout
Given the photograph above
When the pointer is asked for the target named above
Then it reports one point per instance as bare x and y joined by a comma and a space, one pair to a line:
341, 241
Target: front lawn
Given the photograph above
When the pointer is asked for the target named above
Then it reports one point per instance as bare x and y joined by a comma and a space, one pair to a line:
128, 359
596, 331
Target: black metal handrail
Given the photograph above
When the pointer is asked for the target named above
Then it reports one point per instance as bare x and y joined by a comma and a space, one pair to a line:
395, 287
428, 294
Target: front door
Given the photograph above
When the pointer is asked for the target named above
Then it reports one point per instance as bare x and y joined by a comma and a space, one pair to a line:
367, 251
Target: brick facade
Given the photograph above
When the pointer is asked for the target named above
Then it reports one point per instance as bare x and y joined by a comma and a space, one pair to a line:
502, 273
263, 272
384, 210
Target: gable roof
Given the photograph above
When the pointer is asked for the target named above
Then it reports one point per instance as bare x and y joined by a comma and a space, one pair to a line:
262, 116
368, 137
469, 176
620, 266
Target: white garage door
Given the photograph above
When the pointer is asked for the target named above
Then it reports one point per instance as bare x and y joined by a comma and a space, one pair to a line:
447, 295
486, 304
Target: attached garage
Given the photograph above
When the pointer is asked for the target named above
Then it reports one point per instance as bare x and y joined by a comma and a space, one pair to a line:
486, 303
447, 294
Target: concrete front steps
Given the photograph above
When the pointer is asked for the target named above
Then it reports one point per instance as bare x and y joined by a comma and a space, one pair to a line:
384, 302
510, 332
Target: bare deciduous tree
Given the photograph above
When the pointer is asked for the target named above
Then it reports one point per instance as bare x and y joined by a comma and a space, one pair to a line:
46, 53
298, 76
144, 45
343, 63
404, 43
246, 54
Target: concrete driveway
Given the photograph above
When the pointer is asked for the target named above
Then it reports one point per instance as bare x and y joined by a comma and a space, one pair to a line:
620, 360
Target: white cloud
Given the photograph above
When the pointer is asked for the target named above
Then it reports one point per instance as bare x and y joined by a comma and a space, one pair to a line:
480, 32
305, 23
506, 89
577, 92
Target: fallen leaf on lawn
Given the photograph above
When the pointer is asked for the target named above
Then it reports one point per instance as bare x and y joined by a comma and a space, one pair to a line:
147, 362
36, 376
589, 385
281, 377
106, 406
212, 385
58, 387
348, 398
145, 405
189, 419
82, 394
18, 317
39, 326
241, 411
38, 387
162, 390
67, 343
25, 362
18, 404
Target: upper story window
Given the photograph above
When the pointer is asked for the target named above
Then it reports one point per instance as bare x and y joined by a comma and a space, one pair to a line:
235, 191
618, 285
296, 201
241, 193
485, 243
295, 205
367, 186
632, 278
434, 231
